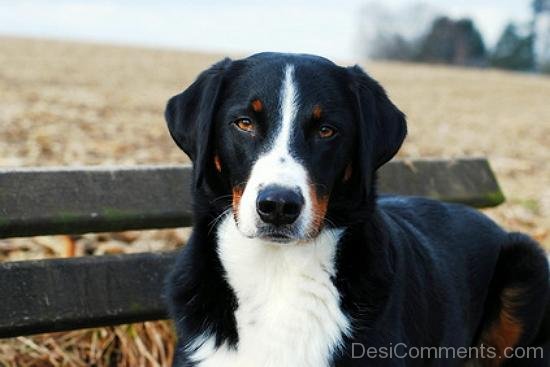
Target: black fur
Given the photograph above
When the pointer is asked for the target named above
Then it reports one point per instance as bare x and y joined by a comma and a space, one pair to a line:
409, 270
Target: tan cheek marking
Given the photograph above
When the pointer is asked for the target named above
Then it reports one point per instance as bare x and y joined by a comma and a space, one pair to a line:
319, 208
506, 329
217, 163
257, 105
317, 112
237, 195
348, 172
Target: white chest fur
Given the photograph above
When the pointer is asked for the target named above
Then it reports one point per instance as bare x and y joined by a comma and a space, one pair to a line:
288, 308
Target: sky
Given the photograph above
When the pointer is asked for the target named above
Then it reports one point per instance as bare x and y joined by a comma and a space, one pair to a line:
327, 28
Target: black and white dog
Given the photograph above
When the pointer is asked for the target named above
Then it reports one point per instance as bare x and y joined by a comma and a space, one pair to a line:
294, 261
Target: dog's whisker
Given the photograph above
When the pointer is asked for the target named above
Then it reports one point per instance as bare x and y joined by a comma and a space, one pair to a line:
221, 198
216, 220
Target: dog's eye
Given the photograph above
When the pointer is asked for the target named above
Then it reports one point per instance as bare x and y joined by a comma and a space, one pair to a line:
326, 132
245, 125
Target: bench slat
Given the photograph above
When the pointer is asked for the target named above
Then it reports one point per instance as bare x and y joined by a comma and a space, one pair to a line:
81, 200
66, 294
465, 181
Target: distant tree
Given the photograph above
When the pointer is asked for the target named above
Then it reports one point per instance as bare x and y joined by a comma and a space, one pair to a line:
393, 33
452, 42
545, 68
541, 6
392, 47
437, 45
513, 50
540, 29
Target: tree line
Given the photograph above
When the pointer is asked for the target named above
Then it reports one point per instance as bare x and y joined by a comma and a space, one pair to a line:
522, 47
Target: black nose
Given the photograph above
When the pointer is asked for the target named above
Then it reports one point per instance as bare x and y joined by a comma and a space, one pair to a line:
278, 205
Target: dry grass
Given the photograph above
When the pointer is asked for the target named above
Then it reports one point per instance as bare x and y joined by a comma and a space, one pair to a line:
145, 344
70, 104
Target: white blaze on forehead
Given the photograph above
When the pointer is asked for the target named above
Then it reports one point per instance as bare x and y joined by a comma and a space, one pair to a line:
288, 110
277, 166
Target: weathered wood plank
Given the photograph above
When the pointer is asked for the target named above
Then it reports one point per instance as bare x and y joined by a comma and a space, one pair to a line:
467, 181
66, 294
80, 200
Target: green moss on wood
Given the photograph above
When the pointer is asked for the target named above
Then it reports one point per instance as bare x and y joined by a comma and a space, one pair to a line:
494, 198
136, 307
66, 217
112, 214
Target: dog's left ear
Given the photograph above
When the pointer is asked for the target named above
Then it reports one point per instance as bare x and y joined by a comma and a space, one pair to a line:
382, 126
190, 117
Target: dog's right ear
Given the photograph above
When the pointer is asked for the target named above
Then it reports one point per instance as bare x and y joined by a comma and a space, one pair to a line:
381, 128
190, 116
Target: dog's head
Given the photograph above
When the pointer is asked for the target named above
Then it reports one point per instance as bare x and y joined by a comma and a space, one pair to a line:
291, 141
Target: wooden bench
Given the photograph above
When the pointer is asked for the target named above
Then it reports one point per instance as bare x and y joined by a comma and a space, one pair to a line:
65, 294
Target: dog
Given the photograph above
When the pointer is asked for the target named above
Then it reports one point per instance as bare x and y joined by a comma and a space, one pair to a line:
295, 261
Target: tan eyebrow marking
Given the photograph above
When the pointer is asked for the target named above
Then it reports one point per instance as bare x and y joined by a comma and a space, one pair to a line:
317, 112
257, 105
217, 163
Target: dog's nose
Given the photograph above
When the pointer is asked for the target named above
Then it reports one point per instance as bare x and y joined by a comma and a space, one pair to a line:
279, 205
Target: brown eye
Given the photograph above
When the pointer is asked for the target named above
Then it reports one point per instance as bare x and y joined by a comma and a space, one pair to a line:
326, 132
245, 125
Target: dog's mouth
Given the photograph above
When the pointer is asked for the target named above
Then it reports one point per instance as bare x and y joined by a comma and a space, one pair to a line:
277, 235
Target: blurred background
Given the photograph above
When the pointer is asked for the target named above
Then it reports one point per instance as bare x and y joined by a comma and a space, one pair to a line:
510, 34
85, 83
